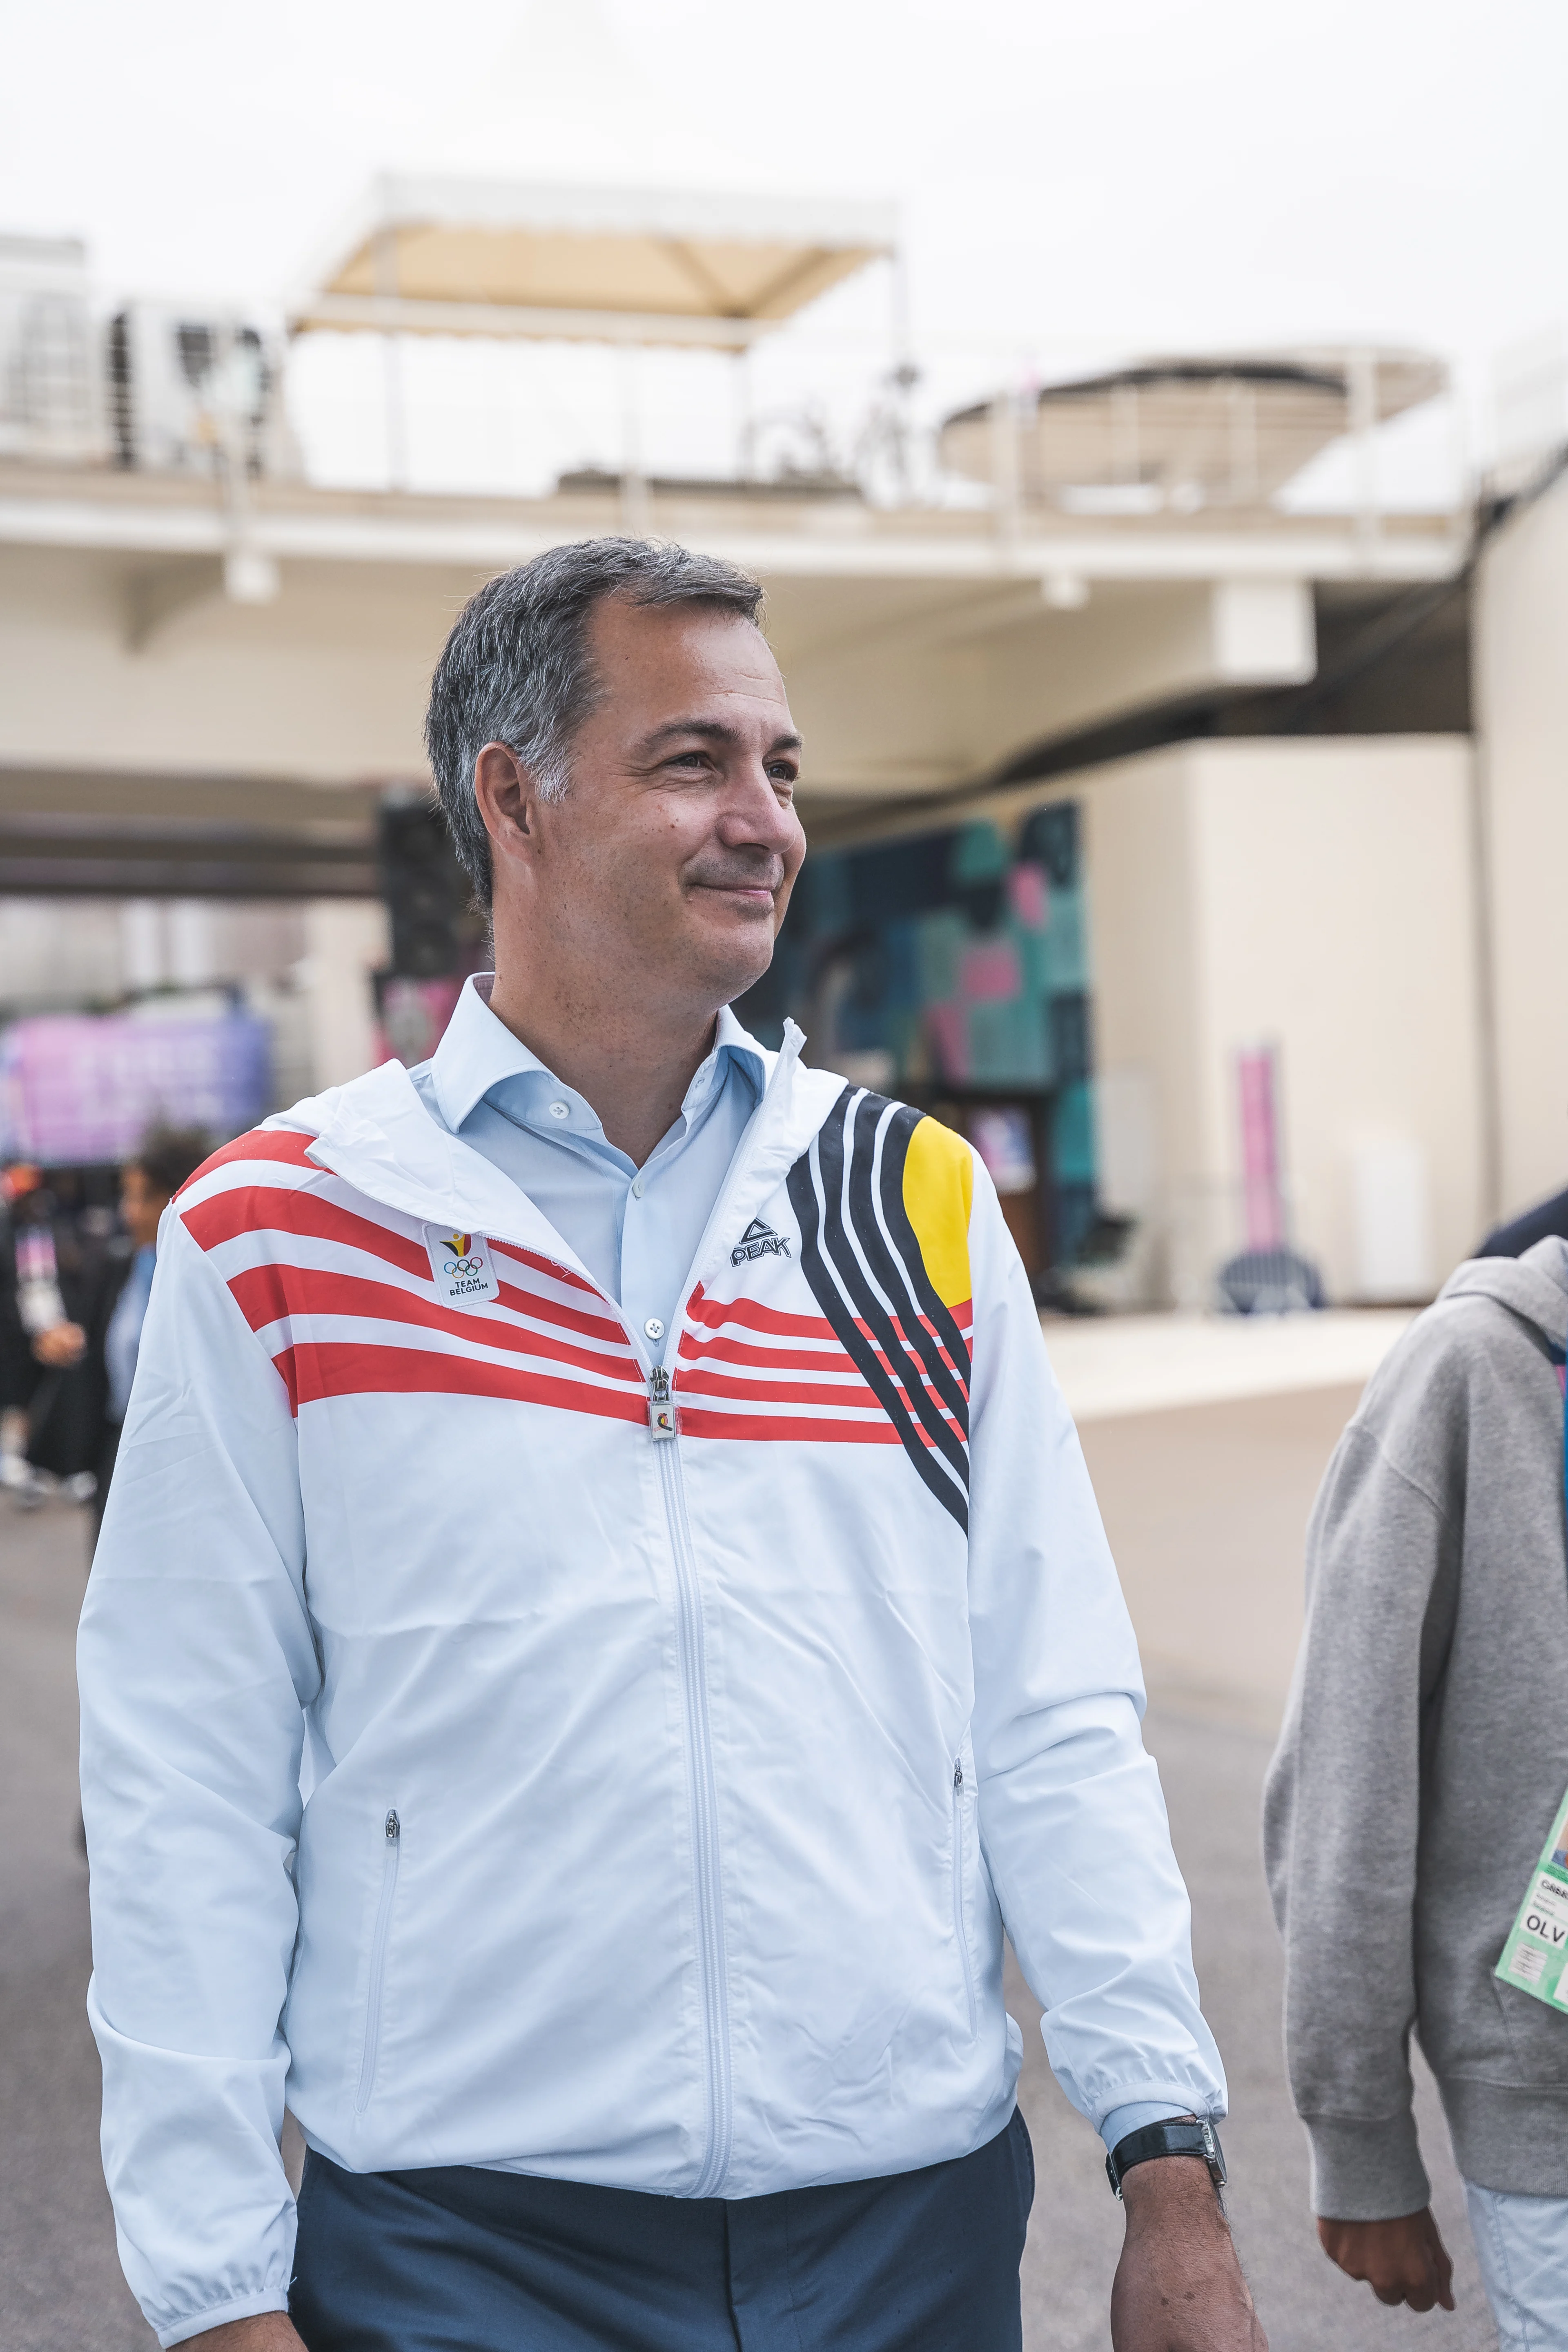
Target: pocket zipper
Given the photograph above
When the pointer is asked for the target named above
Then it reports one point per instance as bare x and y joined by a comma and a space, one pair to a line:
394, 1835
958, 1926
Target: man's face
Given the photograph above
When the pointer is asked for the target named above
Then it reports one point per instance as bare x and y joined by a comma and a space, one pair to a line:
672, 855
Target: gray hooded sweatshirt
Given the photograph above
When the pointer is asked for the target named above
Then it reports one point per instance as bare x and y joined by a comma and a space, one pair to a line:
1426, 1751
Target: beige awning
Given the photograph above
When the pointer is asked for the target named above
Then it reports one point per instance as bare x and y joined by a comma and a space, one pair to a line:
619, 265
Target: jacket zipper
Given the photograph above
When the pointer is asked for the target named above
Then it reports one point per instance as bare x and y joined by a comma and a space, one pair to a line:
690, 1648
714, 1990
393, 1832
959, 1928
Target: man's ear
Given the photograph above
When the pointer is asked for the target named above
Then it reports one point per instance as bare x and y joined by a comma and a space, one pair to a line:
504, 793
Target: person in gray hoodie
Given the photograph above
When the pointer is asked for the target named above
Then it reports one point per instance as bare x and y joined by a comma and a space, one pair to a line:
1423, 1761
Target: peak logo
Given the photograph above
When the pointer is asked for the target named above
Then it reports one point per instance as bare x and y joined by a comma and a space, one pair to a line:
758, 1241
461, 1266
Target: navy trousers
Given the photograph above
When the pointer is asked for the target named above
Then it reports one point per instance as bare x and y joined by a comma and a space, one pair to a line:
459, 2260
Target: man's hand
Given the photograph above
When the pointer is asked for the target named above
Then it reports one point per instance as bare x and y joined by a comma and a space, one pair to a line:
269, 2331
1404, 2261
1179, 2286
61, 1346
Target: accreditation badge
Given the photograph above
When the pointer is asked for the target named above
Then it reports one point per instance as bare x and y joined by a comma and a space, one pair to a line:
461, 1266
1535, 1956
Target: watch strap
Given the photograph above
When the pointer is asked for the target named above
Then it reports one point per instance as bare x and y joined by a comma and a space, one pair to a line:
1188, 2138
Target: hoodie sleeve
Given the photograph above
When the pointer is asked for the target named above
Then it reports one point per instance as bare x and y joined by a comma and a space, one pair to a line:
195, 1658
1342, 1804
1072, 1818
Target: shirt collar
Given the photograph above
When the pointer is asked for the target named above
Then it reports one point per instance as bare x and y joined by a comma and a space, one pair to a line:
478, 1052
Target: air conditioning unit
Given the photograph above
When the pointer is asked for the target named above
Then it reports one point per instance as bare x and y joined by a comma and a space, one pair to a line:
51, 410
195, 391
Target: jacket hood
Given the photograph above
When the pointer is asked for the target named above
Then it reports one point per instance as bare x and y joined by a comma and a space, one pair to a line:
1534, 1286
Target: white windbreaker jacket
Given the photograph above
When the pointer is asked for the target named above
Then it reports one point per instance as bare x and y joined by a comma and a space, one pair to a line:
678, 1746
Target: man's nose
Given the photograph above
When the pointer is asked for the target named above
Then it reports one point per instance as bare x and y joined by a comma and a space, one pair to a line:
755, 814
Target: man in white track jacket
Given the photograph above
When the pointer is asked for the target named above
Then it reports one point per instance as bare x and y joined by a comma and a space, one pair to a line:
616, 1470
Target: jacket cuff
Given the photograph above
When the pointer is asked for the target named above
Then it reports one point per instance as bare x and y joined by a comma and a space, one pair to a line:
1366, 2170
220, 2314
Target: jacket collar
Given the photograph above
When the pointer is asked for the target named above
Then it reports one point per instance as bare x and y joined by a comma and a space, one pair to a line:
376, 1135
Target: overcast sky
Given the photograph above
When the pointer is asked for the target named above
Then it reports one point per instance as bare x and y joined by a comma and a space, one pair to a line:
1147, 173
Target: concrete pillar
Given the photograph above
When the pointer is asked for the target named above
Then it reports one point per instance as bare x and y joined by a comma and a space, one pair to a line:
1522, 694
346, 941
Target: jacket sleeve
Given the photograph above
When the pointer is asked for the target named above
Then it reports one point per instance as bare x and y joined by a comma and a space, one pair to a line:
1341, 1810
195, 1658
1072, 1820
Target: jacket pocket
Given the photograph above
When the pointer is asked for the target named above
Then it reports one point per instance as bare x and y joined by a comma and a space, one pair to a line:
960, 1859
391, 1830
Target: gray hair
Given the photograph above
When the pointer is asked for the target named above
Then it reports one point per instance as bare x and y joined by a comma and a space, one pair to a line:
516, 669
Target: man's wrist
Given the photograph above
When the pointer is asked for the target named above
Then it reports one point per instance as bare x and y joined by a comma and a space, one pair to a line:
1176, 2139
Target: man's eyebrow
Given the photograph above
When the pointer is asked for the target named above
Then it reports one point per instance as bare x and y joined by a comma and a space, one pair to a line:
712, 730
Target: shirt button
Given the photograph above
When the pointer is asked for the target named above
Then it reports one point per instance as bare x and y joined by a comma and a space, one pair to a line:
559, 1110
637, 1189
653, 1328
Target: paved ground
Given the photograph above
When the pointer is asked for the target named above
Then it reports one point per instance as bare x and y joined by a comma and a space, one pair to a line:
1205, 1505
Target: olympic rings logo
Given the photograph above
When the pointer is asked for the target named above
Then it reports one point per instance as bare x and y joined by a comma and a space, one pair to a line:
464, 1265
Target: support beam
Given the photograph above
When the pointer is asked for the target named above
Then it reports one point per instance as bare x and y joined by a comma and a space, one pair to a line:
155, 598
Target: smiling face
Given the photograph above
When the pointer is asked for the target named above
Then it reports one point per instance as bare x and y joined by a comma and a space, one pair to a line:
669, 862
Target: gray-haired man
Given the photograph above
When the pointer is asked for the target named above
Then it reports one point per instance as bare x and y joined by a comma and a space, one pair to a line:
630, 1457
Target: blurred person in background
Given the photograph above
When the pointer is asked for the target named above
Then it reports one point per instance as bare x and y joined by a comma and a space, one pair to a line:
87, 1353
1532, 1226
1421, 1765
18, 1367
55, 1258
690, 1696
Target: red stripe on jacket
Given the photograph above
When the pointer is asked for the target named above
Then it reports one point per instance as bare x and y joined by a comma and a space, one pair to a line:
320, 1369
696, 1423
267, 1294
260, 1143
266, 1208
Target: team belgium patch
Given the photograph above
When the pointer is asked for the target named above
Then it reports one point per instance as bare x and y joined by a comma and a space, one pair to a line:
882, 1198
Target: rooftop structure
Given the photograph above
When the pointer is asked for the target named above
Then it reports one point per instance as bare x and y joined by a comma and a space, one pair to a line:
453, 256
1179, 434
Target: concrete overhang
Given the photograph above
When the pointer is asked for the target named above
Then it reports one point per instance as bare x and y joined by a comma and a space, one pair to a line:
134, 834
834, 538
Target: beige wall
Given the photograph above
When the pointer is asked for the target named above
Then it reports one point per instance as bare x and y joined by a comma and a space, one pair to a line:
947, 694
329, 683
1521, 679
1315, 895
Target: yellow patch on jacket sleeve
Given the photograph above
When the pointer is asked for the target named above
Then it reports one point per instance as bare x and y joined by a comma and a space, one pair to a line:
939, 1184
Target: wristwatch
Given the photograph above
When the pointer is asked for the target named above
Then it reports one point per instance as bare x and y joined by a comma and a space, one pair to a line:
1190, 2138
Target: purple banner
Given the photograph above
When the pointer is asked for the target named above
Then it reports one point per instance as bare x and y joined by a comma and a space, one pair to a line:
80, 1087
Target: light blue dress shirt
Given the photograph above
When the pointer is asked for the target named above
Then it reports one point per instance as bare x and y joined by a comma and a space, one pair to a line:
636, 1230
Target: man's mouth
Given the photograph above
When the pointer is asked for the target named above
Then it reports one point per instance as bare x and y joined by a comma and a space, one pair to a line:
746, 894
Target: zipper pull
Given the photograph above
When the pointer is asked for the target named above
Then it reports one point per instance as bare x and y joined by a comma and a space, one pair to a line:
660, 1410
958, 1774
393, 1828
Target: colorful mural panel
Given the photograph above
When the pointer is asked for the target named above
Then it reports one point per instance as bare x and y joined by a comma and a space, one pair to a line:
952, 963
